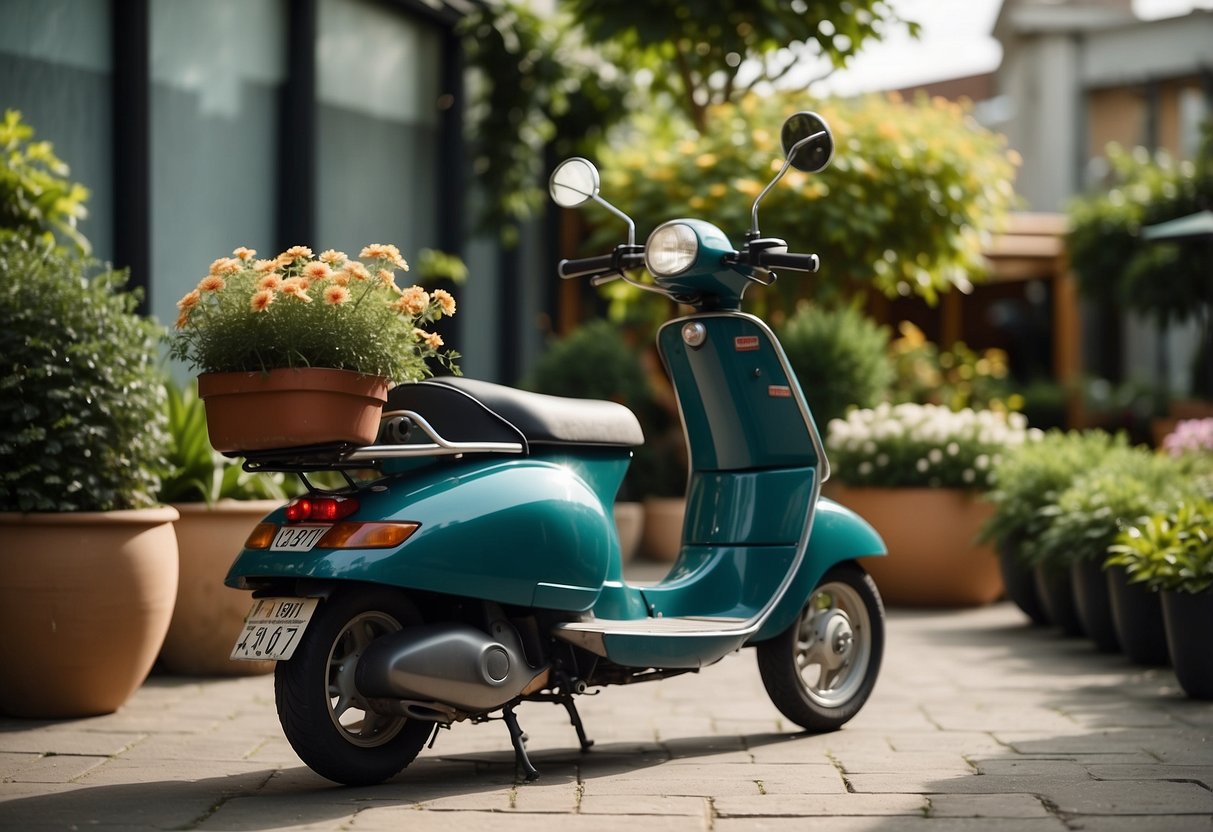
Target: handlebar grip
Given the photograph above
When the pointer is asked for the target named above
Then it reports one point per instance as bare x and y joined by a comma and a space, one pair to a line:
786, 260
569, 269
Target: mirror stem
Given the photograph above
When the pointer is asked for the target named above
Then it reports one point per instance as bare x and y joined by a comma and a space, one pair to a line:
786, 163
621, 215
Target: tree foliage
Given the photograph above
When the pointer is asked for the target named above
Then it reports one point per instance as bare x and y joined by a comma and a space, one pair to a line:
36, 195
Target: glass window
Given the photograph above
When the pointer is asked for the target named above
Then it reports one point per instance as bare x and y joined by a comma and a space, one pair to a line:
55, 69
377, 88
216, 68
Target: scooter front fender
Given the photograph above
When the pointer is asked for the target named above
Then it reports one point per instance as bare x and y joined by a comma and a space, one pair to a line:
530, 532
838, 535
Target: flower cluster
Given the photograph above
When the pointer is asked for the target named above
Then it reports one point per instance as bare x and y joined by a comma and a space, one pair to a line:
301, 310
1190, 435
912, 445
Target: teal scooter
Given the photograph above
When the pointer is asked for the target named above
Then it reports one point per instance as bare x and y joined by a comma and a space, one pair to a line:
470, 561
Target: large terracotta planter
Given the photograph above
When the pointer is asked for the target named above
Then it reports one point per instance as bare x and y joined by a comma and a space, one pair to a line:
662, 536
85, 601
289, 408
934, 559
208, 615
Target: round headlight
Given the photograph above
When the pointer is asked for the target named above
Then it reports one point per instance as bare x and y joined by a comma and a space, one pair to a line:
671, 249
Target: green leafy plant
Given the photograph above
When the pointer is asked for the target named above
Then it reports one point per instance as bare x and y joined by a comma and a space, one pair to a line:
1169, 550
197, 472
36, 195
300, 310
955, 377
840, 357
911, 445
1031, 477
82, 416
1086, 517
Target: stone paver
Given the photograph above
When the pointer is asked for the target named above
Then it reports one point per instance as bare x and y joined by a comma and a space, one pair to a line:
979, 722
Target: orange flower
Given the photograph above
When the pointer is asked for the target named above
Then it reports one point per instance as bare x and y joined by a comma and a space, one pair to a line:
432, 339
183, 319
317, 271
335, 295
245, 254
189, 301
211, 283
265, 265
387, 278
261, 301
270, 281
225, 265
376, 251
445, 301
297, 253
341, 278
357, 270
413, 300
333, 258
296, 287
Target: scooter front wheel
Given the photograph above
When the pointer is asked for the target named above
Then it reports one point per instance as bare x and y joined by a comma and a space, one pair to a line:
325, 719
820, 671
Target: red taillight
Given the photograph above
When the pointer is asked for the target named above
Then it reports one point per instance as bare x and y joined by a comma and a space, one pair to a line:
323, 509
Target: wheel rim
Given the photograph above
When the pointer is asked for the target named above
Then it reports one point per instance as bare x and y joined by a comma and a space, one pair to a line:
347, 708
833, 645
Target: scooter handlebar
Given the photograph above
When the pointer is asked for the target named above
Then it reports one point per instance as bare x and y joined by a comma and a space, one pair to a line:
569, 269
787, 260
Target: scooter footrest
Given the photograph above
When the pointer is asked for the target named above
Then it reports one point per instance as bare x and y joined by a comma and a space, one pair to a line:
592, 635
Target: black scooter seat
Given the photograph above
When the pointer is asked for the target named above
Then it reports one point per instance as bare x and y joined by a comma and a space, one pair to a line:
468, 410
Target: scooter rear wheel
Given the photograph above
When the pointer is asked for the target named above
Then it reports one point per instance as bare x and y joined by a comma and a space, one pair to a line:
820, 671
325, 719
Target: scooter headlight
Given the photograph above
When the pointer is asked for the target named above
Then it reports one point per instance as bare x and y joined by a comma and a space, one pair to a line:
671, 249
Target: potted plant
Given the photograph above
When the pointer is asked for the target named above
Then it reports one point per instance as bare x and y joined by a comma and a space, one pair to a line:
595, 361
917, 473
88, 570
1085, 519
840, 357
1171, 551
219, 504
1027, 480
307, 343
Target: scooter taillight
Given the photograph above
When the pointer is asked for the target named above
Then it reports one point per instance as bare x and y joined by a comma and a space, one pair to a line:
325, 509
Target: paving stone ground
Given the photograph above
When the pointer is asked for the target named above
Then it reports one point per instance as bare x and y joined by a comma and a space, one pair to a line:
979, 722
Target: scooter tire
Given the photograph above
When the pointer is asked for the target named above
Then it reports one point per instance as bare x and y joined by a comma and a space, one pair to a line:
839, 631
323, 716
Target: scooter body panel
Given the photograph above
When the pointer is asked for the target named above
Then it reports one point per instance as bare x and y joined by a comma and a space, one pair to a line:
529, 531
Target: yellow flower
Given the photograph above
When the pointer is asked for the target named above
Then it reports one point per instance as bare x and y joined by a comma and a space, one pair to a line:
245, 254
445, 301
189, 301
261, 301
211, 283
336, 294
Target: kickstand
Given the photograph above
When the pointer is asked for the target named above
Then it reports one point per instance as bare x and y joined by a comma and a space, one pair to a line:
518, 739
575, 719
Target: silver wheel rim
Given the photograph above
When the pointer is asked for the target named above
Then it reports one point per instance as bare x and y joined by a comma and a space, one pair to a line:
833, 645
357, 723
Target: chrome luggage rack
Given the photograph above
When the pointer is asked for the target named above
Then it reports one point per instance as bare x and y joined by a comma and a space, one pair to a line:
347, 455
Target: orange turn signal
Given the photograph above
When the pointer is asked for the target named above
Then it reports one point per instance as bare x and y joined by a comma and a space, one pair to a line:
367, 535
261, 537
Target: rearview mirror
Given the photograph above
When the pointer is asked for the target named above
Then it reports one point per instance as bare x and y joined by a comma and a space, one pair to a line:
807, 142
574, 182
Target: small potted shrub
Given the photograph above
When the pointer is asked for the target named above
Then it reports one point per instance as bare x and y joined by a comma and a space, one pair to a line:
840, 357
308, 343
1027, 480
1171, 551
1085, 519
219, 503
917, 473
595, 361
88, 570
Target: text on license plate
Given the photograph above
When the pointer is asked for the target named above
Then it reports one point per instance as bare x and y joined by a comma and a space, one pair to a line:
272, 628
298, 538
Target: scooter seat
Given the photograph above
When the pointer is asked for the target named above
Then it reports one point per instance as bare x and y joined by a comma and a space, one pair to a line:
468, 410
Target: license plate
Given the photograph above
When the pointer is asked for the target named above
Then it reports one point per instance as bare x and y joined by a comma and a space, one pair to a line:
272, 629
297, 538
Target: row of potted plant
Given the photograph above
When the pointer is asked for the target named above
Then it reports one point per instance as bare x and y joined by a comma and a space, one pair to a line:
1096, 535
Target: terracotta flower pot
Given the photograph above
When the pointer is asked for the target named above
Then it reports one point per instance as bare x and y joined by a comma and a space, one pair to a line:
208, 615
90, 595
289, 408
933, 558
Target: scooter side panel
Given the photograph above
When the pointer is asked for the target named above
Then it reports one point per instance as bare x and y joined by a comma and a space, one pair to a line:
839, 534
520, 531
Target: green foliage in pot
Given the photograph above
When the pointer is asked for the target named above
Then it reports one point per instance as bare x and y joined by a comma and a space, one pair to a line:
82, 418
198, 472
956, 377
1087, 516
1032, 476
36, 197
840, 357
1171, 549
